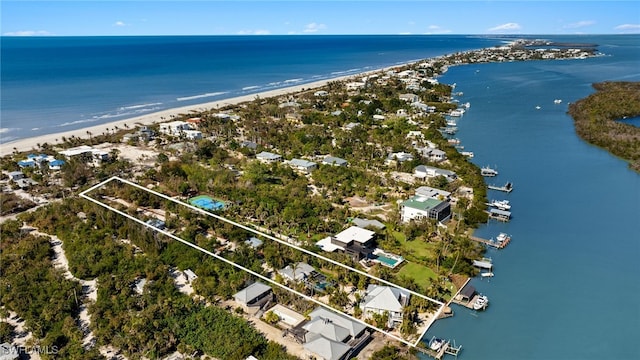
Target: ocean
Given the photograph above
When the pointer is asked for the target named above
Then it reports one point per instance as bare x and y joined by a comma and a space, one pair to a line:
55, 84
565, 287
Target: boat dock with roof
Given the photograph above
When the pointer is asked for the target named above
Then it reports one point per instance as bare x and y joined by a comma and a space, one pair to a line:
508, 187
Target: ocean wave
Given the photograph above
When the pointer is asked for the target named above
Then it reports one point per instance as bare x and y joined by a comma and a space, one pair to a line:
184, 98
275, 83
94, 119
345, 71
5, 130
138, 106
250, 87
124, 114
293, 80
35, 129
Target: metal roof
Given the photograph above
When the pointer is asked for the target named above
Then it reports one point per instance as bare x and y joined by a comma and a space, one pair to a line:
251, 292
326, 348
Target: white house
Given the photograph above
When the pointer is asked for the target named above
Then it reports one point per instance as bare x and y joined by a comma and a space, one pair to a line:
320, 93
422, 207
298, 272
268, 158
410, 98
174, 128
96, 155
334, 161
385, 299
433, 193
355, 85
423, 172
303, 165
398, 157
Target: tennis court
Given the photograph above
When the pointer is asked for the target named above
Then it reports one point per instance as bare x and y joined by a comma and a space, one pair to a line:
207, 202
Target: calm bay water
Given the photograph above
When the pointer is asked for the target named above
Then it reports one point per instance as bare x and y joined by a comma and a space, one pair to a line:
566, 287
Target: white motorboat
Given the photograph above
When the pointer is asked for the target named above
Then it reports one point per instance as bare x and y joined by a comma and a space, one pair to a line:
481, 303
557, 101
435, 344
501, 204
502, 237
487, 171
467, 153
456, 112
486, 274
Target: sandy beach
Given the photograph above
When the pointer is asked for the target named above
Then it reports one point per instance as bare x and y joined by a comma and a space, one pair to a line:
165, 115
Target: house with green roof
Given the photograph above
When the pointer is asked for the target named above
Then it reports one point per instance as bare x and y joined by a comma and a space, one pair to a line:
421, 207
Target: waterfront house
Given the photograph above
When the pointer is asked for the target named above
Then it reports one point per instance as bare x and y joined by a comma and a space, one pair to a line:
355, 241
421, 207
192, 134
433, 193
422, 172
334, 161
321, 93
467, 293
398, 157
174, 128
326, 349
303, 165
330, 335
385, 299
268, 158
298, 272
254, 295
87, 153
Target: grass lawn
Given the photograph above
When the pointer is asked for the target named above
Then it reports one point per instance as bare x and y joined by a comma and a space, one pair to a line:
420, 273
416, 248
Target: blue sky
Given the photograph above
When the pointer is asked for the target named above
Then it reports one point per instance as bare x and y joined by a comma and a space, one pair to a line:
73, 18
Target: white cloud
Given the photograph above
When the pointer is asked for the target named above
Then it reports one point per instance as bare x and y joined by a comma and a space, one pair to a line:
435, 29
579, 24
314, 27
505, 27
634, 28
253, 32
28, 33
119, 23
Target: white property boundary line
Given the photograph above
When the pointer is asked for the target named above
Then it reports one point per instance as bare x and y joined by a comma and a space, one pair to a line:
244, 227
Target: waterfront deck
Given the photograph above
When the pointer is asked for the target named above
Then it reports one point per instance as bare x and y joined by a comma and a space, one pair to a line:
447, 348
492, 243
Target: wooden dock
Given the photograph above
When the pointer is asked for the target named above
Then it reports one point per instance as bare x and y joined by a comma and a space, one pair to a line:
447, 348
494, 244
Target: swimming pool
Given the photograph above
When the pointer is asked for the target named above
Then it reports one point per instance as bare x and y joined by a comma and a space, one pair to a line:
387, 260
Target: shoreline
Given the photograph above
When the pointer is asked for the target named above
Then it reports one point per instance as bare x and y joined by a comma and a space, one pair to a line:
26, 144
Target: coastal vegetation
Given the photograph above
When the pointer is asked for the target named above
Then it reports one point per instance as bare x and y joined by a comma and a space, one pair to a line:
599, 119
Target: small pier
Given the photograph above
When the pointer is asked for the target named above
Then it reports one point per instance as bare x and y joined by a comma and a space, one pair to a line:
446, 348
492, 243
508, 187
500, 215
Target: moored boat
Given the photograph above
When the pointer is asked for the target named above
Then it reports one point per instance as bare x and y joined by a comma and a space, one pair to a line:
502, 237
435, 344
487, 171
501, 204
481, 302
